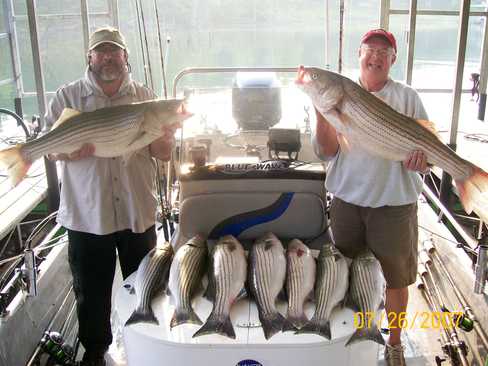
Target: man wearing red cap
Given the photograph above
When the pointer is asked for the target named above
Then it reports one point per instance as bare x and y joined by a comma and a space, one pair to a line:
375, 200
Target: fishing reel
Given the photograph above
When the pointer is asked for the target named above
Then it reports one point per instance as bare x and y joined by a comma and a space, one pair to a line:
461, 320
59, 352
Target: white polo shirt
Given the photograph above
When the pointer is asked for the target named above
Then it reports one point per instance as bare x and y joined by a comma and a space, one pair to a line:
363, 179
101, 195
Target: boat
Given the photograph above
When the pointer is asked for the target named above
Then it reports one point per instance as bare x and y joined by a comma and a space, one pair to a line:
246, 152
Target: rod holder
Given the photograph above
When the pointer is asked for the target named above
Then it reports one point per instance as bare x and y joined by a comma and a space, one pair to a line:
481, 269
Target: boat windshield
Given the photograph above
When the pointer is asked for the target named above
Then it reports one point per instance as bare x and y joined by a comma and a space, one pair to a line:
255, 117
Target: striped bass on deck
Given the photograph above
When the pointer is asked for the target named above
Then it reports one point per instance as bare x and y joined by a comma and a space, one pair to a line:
113, 131
300, 279
185, 276
366, 296
150, 279
227, 275
362, 119
267, 273
330, 289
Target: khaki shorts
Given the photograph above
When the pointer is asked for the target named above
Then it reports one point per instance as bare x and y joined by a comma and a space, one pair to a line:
390, 232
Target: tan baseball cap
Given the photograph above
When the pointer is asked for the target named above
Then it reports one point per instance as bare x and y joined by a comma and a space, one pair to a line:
106, 35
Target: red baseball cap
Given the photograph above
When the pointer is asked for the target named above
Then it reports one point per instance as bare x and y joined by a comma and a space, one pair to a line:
381, 33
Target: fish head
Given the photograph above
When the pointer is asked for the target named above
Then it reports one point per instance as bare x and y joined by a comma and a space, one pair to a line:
231, 242
366, 256
197, 241
297, 248
164, 247
323, 87
165, 112
328, 250
270, 241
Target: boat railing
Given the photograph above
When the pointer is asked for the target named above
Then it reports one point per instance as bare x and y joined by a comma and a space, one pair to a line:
477, 248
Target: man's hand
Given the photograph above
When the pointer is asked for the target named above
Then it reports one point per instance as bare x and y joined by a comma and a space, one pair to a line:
85, 151
416, 161
162, 147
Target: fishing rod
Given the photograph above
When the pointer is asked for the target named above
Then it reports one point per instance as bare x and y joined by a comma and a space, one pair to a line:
453, 347
147, 45
163, 68
463, 321
467, 310
142, 44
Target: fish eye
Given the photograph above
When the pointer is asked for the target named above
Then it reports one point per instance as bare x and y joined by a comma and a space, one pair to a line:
315, 76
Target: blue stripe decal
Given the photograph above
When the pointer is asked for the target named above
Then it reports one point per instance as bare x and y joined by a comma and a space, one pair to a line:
237, 224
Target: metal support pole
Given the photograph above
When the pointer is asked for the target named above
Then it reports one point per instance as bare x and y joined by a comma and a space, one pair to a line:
85, 24
14, 49
51, 174
446, 184
385, 14
483, 74
411, 40
341, 35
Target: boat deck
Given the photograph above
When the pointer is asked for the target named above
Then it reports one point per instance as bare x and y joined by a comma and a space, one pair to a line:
17, 202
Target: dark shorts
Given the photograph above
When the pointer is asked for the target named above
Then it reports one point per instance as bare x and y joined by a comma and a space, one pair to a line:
391, 232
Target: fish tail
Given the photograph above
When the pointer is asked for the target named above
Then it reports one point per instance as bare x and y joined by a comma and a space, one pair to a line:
14, 162
141, 315
219, 324
362, 334
184, 315
471, 189
316, 327
271, 323
294, 322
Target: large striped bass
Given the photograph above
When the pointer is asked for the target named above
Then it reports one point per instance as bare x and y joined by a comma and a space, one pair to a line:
300, 279
150, 279
330, 288
185, 276
366, 297
113, 131
267, 272
227, 276
362, 119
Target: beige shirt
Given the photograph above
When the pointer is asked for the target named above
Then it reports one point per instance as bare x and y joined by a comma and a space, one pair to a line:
101, 195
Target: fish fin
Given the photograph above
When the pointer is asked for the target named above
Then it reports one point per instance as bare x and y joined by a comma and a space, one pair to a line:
271, 323
311, 296
142, 315
316, 327
363, 334
15, 163
282, 295
242, 294
429, 125
381, 306
348, 303
210, 291
294, 323
182, 316
66, 114
471, 189
343, 142
219, 324
132, 290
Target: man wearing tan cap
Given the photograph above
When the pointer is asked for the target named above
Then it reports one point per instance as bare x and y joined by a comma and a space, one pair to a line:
107, 207
375, 200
